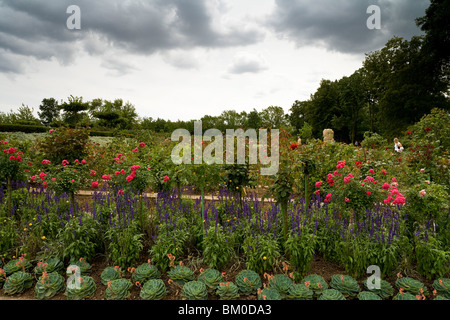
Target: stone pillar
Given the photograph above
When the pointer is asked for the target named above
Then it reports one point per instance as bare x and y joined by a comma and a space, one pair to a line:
328, 135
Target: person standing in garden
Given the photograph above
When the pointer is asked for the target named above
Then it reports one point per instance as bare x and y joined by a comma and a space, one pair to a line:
397, 146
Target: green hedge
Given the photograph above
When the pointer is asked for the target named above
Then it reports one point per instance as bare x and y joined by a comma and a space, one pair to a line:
41, 129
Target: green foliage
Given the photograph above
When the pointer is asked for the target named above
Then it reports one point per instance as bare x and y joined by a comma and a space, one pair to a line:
281, 283
83, 288
331, 294
248, 281
49, 285
427, 201
79, 237
432, 260
211, 278
16, 265
347, 285
300, 291
81, 265
404, 296
368, 295
316, 283
153, 289
442, 286
227, 291
181, 274
2, 278
261, 252
410, 285
145, 272
168, 244
194, 290
110, 274
125, 244
268, 294
18, 282
386, 290
49, 265
217, 249
300, 250
118, 289
64, 144
372, 140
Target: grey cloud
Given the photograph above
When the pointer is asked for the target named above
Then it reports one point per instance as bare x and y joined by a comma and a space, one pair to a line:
340, 25
246, 62
38, 28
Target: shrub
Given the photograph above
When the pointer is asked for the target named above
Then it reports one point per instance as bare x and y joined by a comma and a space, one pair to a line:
217, 250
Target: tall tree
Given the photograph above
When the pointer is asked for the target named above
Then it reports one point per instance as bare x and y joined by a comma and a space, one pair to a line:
404, 90
49, 111
74, 110
436, 46
352, 105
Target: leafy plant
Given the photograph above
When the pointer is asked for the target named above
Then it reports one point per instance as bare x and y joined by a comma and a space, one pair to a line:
280, 282
442, 286
268, 294
21, 264
81, 288
386, 290
347, 285
217, 250
368, 295
300, 250
211, 278
181, 274
49, 285
331, 294
248, 281
110, 274
125, 244
2, 278
18, 282
84, 267
410, 285
227, 291
145, 272
49, 265
118, 289
300, 291
167, 245
261, 252
79, 237
316, 282
194, 290
153, 289
404, 296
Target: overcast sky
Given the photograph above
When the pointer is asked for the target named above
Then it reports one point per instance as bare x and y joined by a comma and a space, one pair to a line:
182, 59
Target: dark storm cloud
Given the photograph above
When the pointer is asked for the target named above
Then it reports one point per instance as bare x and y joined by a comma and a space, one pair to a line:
38, 28
340, 25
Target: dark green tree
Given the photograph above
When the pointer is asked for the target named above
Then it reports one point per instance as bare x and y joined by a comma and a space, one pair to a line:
74, 110
404, 90
49, 111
